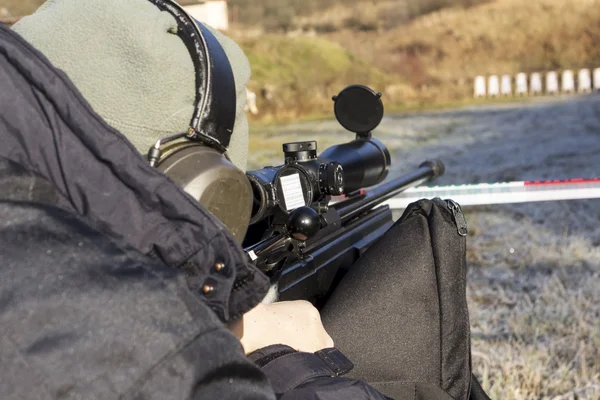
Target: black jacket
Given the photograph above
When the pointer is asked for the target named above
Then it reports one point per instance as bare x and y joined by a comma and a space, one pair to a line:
102, 259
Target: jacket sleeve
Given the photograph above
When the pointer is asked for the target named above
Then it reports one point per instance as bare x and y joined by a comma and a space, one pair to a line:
84, 317
311, 376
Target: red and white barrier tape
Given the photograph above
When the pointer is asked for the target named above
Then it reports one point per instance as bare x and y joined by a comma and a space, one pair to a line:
502, 192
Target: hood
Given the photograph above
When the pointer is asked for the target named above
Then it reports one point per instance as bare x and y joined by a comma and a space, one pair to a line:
49, 129
127, 60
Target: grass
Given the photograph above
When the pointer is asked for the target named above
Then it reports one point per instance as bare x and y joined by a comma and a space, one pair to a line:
304, 72
428, 63
535, 311
442, 52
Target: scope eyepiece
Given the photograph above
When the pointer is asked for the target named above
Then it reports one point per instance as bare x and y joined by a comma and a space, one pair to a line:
331, 178
305, 180
328, 177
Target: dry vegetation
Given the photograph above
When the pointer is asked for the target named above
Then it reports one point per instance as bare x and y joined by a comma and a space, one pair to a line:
429, 55
443, 51
363, 15
535, 312
420, 53
304, 73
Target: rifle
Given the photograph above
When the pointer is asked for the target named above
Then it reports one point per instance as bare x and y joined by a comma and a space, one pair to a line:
301, 239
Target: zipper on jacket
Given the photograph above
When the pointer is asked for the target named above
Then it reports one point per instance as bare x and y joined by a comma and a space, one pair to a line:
459, 217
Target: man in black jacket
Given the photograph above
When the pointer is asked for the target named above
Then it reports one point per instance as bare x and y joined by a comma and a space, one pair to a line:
94, 302
115, 282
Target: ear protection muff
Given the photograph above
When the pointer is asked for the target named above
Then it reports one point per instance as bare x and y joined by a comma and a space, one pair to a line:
197, 159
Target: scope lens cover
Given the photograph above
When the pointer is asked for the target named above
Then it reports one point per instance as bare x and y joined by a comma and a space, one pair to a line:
358, 108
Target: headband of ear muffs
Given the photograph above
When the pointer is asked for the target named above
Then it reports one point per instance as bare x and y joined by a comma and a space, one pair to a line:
214, 112
151, 71
200, 164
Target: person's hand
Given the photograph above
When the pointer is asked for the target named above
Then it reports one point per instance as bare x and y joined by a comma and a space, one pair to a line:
293, 323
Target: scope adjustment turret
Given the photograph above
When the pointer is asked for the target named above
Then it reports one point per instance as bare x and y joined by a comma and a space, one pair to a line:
300, 151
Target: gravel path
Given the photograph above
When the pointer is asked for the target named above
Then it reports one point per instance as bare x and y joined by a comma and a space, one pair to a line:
534, 292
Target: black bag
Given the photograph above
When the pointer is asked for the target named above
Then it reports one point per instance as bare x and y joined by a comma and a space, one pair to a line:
400, 314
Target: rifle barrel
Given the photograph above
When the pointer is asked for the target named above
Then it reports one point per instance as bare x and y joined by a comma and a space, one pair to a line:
379, 194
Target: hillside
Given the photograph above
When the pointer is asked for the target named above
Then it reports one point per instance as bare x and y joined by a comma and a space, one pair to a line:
440, 53
431, 60
285, 15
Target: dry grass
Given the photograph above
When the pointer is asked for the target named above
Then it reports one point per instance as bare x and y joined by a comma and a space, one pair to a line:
442, 52
425, 63
304, 73
375, 15
535, 311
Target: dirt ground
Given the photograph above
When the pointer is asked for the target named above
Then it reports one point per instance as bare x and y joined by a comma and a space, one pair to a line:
534, 279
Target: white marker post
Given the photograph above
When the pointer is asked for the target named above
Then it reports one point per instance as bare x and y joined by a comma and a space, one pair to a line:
479, 87
536, 84
493, 86
521, 84
568, 82
506, 85
585, 81
251, 102
551, 83
597, 79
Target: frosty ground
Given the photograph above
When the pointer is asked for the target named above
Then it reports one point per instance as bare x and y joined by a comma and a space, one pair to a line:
534, 279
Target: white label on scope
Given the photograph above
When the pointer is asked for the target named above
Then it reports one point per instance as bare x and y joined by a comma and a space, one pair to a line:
292, 191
